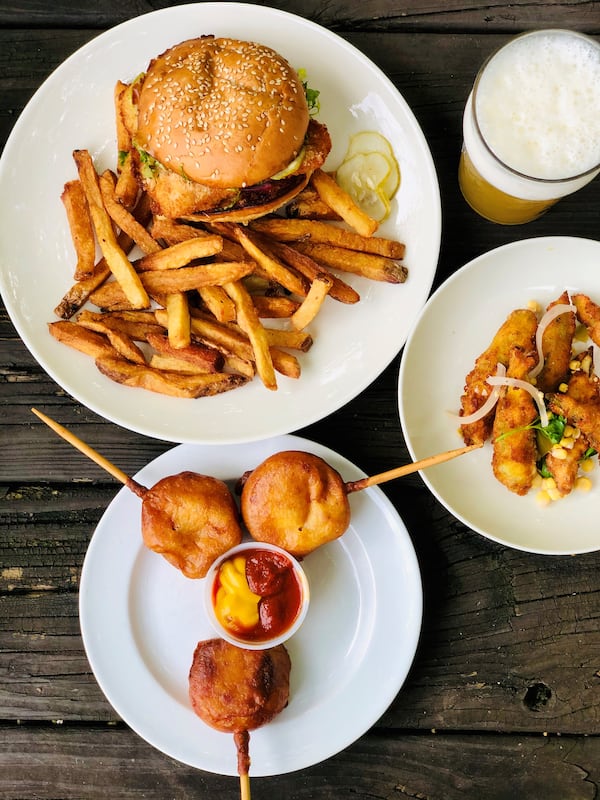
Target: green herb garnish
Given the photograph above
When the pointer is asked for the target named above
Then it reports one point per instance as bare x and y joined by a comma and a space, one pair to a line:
312, 95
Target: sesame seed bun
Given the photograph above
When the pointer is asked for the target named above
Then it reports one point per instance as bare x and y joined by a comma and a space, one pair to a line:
222, 112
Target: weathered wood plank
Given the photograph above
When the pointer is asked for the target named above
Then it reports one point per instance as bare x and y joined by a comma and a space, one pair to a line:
76, 763
516, 636
444, 15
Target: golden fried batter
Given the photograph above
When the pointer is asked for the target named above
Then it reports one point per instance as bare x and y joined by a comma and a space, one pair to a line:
565, 470
517, 331
235, 690
190, 519
515, 449
580, 404
557, 342
588, 314
295, 500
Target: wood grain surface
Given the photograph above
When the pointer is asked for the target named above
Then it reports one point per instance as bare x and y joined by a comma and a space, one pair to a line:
503, 698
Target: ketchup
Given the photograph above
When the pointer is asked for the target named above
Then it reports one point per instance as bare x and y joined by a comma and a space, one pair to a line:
271, 582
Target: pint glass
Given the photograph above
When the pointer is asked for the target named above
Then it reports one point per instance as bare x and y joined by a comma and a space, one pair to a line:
531, 126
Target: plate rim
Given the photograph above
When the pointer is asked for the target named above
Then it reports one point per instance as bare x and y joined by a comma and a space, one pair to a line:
407, 643
145, 424
535, 243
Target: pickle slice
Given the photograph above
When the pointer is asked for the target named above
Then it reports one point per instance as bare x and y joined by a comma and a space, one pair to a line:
375, 142
364, 177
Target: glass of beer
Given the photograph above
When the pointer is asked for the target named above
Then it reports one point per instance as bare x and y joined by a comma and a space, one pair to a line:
531, 126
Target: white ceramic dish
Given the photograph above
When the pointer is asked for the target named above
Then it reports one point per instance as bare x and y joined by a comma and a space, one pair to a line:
141, 620
74, 109
456, 325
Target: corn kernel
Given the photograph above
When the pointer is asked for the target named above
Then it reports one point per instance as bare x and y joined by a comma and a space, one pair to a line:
559, 453
533, 305
587, 465
583, 484
563, 387
569, 431
542, 498
548, 484
567, 443
554, 494
586, 363
537, 481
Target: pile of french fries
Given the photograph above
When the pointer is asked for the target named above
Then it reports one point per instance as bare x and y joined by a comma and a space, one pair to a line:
183, 309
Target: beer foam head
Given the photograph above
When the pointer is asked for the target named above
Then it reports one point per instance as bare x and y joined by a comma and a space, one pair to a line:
537, 104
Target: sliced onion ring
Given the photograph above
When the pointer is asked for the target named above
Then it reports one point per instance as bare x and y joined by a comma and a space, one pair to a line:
517, 383
485, 409
549, 316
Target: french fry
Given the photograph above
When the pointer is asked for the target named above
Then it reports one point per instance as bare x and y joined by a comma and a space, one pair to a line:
81, 291
127, 189
232, 340
178, 319
272, 268
124, 346
317, 232
123, 218
163, 282
274, 307
218, 302
312, 303
341, 202
170, 383
180, 254
208, 359
172, 232
81, 228
109, 296
80, 338
308, 205
249, 322
138, 325
123, 131
302, 263
126, 113
296, 340
174, 364
368, 265
116, 259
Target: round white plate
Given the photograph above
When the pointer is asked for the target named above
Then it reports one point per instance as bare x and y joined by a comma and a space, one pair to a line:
141, 620
456, 325
74, 109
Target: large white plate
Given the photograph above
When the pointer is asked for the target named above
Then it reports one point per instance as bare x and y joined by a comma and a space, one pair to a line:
141, 620
456, 325
74, 109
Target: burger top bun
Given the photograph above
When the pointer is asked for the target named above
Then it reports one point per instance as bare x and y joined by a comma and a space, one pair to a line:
223, 112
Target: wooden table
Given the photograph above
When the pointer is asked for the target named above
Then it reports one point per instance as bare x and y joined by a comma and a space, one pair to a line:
503, 699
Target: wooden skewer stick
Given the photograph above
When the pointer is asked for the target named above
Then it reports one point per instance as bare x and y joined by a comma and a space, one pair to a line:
415, 466
242, 739
88, 451
245, 787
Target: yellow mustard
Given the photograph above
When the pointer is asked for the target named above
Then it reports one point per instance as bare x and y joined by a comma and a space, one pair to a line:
236, 607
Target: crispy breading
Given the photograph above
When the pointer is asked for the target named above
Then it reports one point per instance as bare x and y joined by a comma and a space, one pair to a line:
557, 342
588, 314
518, 330
565, 470
580, 405
515, 450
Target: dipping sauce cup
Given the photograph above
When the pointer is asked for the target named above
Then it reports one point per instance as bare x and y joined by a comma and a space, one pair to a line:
256, 595
531, 126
